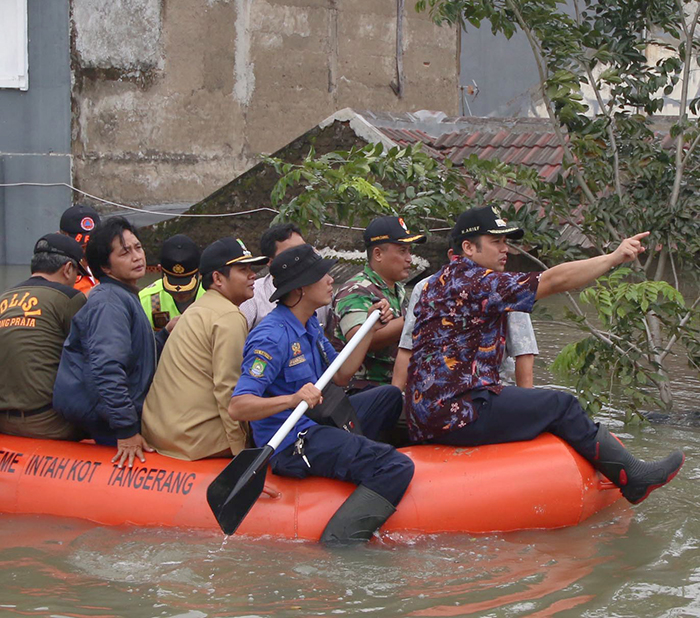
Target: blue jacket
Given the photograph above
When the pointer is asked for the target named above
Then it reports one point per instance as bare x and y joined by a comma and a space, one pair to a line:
107, 364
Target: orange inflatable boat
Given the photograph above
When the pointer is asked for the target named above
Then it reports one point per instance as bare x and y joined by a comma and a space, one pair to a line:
518, 486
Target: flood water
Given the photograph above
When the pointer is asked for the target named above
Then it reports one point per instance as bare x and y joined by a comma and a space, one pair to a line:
625, 561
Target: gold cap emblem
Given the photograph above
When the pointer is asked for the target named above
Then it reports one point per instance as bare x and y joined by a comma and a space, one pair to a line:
178, 269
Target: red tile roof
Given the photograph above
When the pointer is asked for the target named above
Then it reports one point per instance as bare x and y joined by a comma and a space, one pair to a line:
525, 141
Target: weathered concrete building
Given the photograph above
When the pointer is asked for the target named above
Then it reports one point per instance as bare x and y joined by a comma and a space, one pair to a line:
173, 99
165, 100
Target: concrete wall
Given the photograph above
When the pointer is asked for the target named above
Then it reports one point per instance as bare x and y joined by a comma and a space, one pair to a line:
35, 136
173, 99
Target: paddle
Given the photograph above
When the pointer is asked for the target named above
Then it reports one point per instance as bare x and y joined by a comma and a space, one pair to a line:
234, 492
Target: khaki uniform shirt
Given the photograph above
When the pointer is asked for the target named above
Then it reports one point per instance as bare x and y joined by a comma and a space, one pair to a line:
35, 320
186, 411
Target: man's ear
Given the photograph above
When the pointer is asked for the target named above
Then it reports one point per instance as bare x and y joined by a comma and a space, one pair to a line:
69, 272
468, 248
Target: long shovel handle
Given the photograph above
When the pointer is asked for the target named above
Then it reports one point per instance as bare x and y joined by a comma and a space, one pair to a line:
327, 376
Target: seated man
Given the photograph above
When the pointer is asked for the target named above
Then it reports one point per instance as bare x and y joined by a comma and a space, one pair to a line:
179, 286
273, 241
284, 356
520, 350
34, 322
109, 358
185, 414
78, 222
453, 393
388, 244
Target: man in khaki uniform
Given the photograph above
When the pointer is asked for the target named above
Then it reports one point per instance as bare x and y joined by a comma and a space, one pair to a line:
185, 414
35, 318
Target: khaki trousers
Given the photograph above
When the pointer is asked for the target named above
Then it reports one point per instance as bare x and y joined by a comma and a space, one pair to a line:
48, 425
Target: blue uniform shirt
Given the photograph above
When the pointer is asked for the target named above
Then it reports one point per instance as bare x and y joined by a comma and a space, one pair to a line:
280, 356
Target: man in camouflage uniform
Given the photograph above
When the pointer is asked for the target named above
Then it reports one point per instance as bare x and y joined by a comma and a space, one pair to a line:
388, 242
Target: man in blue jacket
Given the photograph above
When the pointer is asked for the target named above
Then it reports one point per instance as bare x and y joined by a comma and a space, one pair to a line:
109, 358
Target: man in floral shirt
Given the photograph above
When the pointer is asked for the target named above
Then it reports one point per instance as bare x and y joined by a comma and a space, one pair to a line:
388, 243
454, 394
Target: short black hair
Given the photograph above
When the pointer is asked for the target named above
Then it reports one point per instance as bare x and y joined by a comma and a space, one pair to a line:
48, 263
274, 234
208, 278
99, 247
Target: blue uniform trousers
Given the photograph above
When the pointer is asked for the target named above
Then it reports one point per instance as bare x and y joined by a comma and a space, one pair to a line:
519, 414
337, 454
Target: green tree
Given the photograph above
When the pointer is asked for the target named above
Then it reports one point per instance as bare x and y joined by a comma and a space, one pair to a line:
621, 173
352, 187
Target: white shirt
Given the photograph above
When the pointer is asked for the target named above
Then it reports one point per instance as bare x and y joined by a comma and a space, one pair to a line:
256, 308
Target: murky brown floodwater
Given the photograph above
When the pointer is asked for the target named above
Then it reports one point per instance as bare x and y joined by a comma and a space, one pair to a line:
642, 561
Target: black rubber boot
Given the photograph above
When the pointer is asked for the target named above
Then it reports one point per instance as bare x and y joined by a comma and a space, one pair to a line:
635, 478
357, 518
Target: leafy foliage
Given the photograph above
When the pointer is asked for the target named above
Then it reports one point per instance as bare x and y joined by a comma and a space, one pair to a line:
620, 307
621, 174
352, 187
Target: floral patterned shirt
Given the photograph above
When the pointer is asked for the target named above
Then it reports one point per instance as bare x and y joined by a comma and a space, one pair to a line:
458, 342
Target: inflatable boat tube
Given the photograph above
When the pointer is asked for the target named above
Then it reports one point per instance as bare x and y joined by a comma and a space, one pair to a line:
496, 488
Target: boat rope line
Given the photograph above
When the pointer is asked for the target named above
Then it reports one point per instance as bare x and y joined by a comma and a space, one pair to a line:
173, 215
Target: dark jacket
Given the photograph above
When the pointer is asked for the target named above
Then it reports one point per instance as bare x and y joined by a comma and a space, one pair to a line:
107, 364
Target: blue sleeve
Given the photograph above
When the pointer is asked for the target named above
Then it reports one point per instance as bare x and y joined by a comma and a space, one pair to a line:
108, 349
161, 337
263, 359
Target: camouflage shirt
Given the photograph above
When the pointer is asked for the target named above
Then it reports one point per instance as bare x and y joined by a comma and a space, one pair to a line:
349, 310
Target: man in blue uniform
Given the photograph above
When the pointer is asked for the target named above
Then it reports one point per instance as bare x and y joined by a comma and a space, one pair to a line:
283, 357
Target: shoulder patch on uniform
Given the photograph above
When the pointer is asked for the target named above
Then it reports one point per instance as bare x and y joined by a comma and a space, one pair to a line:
258, 368
263, 354
297, 360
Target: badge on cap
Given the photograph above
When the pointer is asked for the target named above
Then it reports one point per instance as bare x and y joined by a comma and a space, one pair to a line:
499, 222
87, 223
245, 249
178, 269
403, 225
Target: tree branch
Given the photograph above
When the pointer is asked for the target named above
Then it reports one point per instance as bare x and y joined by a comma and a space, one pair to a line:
681, 324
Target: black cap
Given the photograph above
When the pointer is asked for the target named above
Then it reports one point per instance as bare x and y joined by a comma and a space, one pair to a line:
60, 244
297, 267
226, 252
179, 262
484, 220
390, 229
79, 221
